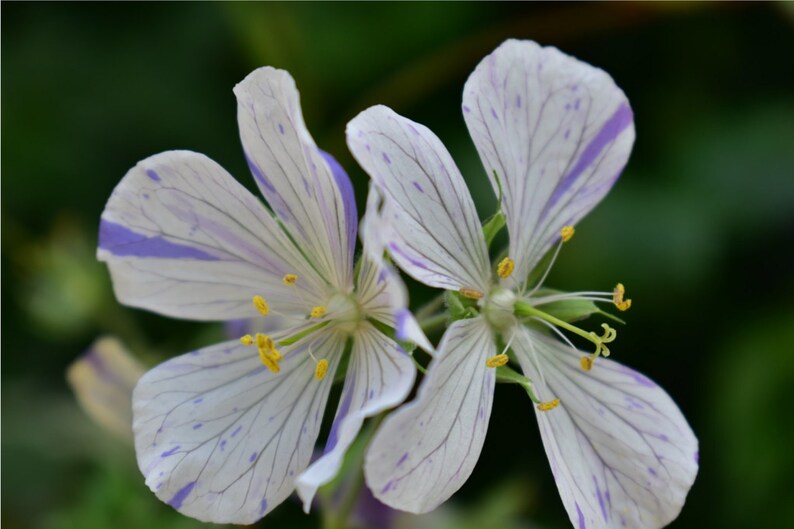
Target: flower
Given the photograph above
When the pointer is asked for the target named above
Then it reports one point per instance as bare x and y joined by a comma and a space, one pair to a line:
553, 134
225, 433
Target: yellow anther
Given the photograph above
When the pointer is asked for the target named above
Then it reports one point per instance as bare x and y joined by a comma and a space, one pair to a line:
617, 297
471, 293
321, 369
247, 340
269, 361
261, 305
290, 279
267, 347
586, 363
318, 311
497, 361
505, 267
550, 405
566, 233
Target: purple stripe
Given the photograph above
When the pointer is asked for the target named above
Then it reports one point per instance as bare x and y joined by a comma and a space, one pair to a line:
237, 328
153, 175
600, 499
259, 175
122, 241
333, 437
179, 497
620, 120
399, 251
348, 199
400, 321
582, 525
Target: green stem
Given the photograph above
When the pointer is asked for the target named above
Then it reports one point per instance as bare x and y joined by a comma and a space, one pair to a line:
432, 323
525, 309
426, 310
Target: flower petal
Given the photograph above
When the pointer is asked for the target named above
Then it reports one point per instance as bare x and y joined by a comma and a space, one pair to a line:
305, 186
434, 235
557, 131
381, 292
102, 379
427, 449
621, 452
183, 238
220, 438
379, 376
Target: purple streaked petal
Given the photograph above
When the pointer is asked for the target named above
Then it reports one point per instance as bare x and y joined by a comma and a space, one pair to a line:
123, 242
102, 379
258, 428
379, 377
382, 294
558, 152
442, 430
304, 186
435, 231
620, 449
345, 187
195, 244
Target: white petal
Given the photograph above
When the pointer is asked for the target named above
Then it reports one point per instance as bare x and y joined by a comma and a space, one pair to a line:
220, 438
557, 131
183, 238
381, 292
433, 230
306, 187
379, 376
621, 452
427, 449
102, 379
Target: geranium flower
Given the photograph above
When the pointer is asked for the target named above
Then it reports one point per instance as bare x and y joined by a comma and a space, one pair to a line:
553, 134
225, 433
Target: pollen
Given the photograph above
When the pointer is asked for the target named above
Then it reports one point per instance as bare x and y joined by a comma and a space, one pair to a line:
290, 279
586, 363
321, 369
269, 361
261, 305
267, 347
505, 267
471, 293
617, 297
318, 311
497, 361
547, 406
566, 233
247, 340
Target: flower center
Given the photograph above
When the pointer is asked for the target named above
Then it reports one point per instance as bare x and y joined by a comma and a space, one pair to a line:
498, 308
345, 312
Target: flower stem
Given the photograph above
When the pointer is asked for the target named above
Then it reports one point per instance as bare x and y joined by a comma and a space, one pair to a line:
433, 322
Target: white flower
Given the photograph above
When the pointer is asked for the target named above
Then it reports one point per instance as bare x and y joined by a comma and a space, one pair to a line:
553, 134
220, 436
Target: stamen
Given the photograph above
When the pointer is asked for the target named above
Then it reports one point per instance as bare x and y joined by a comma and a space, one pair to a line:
290, 279
497, 361
321, 369
261, 305
617, 297
471, 293
269, 361
247, 340
547, 406
318, 311
586, 363
267, 347
505, 267
566, 233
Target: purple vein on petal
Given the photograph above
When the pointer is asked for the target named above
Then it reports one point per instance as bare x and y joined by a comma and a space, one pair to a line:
123, 242
616, 124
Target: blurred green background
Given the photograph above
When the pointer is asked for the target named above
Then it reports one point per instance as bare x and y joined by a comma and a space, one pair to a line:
699, 227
